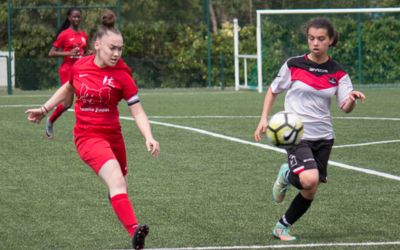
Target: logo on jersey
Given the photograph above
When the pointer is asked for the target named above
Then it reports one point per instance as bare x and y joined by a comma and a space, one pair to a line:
109, 81
292, 160
318, 70
100, 96
332, 80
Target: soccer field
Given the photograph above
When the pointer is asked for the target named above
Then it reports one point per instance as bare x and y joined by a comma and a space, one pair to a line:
210, 187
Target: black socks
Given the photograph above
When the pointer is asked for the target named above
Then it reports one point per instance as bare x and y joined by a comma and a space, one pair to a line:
298, 207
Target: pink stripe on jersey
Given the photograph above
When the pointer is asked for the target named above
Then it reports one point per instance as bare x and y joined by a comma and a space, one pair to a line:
298, 170
321, 82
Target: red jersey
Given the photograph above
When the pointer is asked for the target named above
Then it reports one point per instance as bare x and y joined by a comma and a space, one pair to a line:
98, 92
69, 39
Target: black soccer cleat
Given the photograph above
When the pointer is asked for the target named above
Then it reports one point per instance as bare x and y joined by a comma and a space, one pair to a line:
49, 129
139, 236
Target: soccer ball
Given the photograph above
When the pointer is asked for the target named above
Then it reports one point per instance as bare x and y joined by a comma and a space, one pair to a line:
284, 129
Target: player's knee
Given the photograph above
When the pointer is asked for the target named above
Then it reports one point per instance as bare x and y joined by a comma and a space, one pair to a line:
309, 184
309, 179
119, 183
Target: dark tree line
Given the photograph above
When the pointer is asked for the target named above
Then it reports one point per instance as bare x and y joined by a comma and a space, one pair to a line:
166, 41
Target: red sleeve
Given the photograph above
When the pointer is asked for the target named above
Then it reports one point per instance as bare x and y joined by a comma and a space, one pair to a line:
129, 88
60, 40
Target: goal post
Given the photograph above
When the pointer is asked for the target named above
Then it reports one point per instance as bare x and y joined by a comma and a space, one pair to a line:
238, 57
260, 37
304, 11
7, 71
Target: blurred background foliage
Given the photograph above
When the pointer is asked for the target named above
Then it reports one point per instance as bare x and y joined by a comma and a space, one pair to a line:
167, 43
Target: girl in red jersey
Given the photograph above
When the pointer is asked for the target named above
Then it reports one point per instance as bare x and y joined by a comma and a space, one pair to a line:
100, 82
70, 44
311, 81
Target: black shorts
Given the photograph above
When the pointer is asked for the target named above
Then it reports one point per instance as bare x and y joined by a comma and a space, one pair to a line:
310, 155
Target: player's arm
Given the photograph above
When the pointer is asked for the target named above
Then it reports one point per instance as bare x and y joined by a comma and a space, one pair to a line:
64, 93
351, 101
346, 96
143, 124
281, 83
55, 52
262, 125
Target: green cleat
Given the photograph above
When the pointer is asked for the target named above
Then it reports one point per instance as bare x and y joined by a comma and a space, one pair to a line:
282, 233
280, 185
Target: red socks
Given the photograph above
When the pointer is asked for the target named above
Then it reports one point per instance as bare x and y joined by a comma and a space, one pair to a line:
57, 113
123, 208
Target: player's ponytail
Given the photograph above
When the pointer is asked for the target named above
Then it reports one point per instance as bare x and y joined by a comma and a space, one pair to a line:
324, 23
108, 20
66, 22
335, 39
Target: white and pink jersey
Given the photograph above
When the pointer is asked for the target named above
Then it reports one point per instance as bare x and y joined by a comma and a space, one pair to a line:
98, 92
310, 87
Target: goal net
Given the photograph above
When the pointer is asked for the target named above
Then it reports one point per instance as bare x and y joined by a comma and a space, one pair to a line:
368, 46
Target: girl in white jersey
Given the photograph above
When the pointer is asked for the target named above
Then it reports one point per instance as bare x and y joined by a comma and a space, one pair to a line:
310, 81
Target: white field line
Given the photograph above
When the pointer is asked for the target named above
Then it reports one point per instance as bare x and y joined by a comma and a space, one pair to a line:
249, 116
203, 116
229, 138
366, 144
319, 245
20, 106
218, 116
254, 116
25, 96
367, 118
368, 171
205, 132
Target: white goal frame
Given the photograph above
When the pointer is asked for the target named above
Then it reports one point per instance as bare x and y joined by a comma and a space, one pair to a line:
4, 57
289, 12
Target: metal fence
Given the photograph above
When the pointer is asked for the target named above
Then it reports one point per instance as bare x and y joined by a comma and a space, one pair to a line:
167, 43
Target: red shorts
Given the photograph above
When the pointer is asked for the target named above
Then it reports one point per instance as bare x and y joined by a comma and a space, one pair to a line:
95, 150
65, 72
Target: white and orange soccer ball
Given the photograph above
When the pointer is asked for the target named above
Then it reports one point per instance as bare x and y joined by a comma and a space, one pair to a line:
285, 129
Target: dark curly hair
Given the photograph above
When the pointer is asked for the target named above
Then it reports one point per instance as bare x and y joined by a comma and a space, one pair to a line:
323, 23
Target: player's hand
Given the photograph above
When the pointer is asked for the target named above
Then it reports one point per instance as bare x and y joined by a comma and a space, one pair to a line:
153, 147
35, 115
355, 95
75, 53
261, 129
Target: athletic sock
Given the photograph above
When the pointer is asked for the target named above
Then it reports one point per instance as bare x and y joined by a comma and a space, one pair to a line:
123, 208
293, 179
296, 209
57, 113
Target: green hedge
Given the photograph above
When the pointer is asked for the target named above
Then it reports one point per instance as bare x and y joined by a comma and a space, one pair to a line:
165, 55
